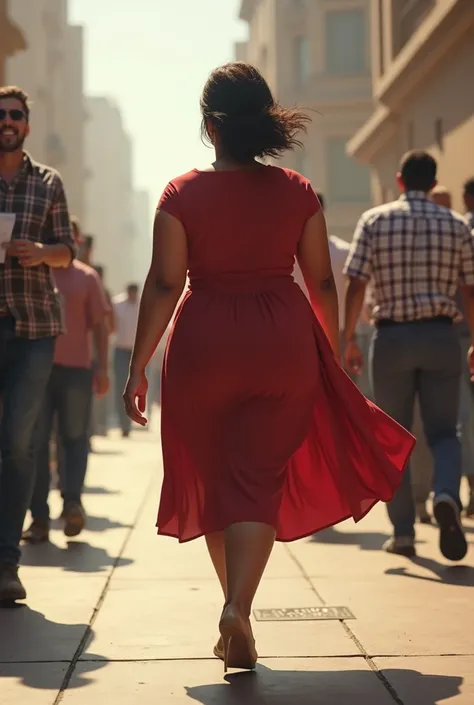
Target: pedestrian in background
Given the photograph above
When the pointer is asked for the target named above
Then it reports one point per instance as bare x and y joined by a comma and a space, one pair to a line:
417, 255
101, 405
264, 436
125, 308
30, 317
422, 467
69, 393
468, 197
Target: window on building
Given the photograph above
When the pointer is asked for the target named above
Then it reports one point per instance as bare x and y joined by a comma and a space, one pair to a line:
348, 181
439, 134
263, 61
410, 135
381, 11
346, 42
302, 60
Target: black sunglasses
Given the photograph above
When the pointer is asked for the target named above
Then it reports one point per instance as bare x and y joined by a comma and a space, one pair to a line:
15, 114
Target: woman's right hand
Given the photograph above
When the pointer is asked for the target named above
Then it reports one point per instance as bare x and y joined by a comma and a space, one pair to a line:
134, 397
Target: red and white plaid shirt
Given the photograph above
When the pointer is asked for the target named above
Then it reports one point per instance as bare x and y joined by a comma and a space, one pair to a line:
37, 197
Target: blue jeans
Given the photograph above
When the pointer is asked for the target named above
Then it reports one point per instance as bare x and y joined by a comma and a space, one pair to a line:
69, 396
25, 366
466, 411
421, 359
122, 359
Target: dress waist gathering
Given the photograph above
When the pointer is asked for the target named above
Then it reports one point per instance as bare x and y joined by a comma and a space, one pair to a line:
242, 283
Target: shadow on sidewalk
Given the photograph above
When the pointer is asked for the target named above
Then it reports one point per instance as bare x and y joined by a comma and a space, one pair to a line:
268, 687
29, 641
367, 540
99, 490
97, 524
78, 557
462, 575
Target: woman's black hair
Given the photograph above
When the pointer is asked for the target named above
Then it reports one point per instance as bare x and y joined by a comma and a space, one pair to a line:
239, 105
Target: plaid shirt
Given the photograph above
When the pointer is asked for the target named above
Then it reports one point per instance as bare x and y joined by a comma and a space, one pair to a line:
36, 196
417, 254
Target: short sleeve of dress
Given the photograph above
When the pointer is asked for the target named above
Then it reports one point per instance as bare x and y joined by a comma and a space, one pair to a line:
170, 202
311, 200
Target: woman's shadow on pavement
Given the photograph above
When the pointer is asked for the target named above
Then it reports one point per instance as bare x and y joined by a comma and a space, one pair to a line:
37, 651
268, 687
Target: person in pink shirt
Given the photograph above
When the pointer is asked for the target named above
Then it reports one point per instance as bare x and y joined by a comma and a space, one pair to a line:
69, 395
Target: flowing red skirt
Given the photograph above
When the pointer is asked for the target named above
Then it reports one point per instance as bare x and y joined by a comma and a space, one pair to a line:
300, 452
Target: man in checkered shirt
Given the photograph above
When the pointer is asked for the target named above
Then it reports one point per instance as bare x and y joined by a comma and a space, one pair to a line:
30, 318
417, 255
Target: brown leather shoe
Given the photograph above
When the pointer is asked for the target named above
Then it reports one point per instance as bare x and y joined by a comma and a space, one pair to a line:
11, 587
74, 518
37, 532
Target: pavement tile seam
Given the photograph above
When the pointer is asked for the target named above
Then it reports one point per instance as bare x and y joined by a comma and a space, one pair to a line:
210, 659
85, 638
363, 652
303, 572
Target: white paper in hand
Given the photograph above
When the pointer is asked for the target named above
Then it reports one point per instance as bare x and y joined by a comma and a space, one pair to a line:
7, 221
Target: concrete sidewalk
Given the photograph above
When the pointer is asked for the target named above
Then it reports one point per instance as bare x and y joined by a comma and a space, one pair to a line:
123, 614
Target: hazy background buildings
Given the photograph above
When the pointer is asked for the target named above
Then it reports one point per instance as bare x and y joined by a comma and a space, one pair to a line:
379, 77
82, 136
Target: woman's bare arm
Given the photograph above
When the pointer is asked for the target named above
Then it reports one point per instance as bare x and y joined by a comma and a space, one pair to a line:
163, 287
315, 263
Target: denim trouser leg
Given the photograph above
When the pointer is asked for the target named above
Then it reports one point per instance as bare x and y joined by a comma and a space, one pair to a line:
439, 389
39, 506
74, 403
466, 411
393, 383
25, 367
421, 359
121, 366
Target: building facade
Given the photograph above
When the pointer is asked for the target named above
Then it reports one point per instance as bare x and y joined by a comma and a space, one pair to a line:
50, 71
142, 245
423, 59
109, 195
12, 39
316, 53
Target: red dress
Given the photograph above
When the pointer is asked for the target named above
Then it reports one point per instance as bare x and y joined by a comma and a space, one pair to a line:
259, 422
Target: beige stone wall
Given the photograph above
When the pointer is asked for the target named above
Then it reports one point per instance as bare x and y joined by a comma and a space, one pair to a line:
422, 86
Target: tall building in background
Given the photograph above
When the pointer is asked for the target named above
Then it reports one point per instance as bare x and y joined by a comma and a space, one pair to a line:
423, 59
142, 244
51, 72
109, 195
316, 53
12, 39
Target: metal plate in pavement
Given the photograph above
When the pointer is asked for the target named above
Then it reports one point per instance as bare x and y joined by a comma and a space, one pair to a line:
302, 614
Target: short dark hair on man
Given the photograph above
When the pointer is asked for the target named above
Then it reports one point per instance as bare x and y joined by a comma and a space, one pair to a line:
469, 187
19, 94
418, 171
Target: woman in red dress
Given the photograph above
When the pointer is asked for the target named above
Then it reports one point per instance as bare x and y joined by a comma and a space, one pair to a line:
264, 436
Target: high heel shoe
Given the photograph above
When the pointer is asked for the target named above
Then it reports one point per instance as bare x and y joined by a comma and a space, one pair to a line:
237, 641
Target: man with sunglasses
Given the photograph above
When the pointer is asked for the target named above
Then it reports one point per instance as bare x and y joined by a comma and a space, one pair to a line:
30, 317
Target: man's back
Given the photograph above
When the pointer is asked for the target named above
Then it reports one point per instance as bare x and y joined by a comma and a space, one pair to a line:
417, 254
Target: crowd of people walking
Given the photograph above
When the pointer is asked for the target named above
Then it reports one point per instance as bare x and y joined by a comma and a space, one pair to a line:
56, 319
264, 435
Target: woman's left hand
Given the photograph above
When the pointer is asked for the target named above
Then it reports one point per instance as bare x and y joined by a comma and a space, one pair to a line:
134, 397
